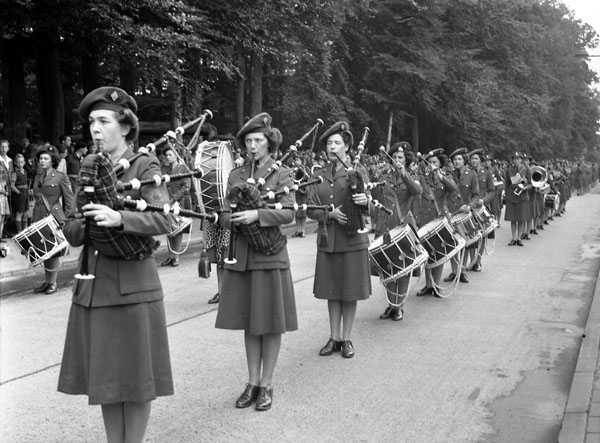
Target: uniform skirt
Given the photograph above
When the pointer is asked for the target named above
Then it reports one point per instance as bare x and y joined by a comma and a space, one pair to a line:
517, 212
117, 353
260, 302
343, 276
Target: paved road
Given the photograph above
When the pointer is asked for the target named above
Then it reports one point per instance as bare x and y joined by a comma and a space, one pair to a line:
492, 363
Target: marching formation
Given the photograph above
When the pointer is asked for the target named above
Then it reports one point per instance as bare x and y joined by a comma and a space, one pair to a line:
394, 214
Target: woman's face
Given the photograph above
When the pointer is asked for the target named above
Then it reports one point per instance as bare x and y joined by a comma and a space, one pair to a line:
4, 148
434, 162
399, 157
170, 156
45, 161
336, 145
257, 145
458, 161
106, 131
475, 161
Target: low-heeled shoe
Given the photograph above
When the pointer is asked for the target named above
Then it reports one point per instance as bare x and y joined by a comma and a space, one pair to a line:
347, 349
463, 278
425, 291
215, 299
476, 267
397, 315
265, 398
166, 262
450, 277
331, 347
41, 288
175, 262
51, 288
387, 313
248, 397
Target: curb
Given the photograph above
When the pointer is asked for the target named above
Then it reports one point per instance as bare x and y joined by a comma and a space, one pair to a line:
576, 415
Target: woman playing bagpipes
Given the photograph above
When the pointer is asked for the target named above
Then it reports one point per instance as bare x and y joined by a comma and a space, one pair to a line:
116, 347
257, 294
342, 275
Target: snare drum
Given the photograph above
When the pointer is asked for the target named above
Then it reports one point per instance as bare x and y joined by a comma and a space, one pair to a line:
398, 258
552, 201
180, 225
441, 241
215, 160
485, 219
42, 240
466, 227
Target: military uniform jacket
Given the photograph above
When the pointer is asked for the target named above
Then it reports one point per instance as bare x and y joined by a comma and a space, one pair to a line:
119, 281
435, 192
332, 191
511, 171
52, 185
487, 190
468, 190
247, 257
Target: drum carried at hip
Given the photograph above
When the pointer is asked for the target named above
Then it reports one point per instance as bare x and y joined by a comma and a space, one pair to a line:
42, 240
397, 256
441, 241
216, 161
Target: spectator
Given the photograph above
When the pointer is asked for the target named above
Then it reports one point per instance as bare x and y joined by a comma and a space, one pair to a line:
6, 167
74, 163
62, 162
20, 193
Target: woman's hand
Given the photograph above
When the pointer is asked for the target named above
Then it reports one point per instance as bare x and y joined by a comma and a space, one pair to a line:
360, 199
103, 215
339, 216
245, 217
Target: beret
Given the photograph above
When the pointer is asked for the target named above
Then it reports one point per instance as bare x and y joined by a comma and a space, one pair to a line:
106, 97
517, 154
433, 153
50, 150
337, 128
459, 151
400, 146
259, 123
476, 151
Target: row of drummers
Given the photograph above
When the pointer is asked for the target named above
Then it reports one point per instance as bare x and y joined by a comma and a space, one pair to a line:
424, 213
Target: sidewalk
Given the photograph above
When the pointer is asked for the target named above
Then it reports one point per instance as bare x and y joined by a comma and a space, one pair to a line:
581, 419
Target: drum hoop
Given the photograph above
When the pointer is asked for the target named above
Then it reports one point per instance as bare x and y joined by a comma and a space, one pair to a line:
51, 222
461, 245
378, 242
460, 217
440, 223
220, 173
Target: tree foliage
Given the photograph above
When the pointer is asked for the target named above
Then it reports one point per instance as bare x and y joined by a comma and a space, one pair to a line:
502, 76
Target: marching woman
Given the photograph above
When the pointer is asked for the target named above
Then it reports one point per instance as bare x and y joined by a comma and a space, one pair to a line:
20, 192
52, 195
342, 275
179, 191
437, 185
518, 181
116, 347
487, 192
496, 203
400, 189
462, 201
257, 292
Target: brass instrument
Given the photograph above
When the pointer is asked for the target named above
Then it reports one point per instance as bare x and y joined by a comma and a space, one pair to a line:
520, 186
539, 179
300, 175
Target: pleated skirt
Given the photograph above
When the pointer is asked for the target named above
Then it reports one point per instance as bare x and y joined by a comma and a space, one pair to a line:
517, 212
117, 354
343, 276
259, 302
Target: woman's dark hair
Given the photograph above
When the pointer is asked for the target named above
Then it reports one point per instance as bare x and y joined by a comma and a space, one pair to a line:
51, 151
126, 117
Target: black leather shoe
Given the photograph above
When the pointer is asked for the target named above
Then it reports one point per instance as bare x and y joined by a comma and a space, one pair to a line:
265, 398
215, 299
425, 291
347, 349
167, 262
436, 293
525, 237
387, 313
398, 314
174, 262
476, 267
41, 288
248, 397
450, 277
331, 347
519, 243
51, 289
463, 278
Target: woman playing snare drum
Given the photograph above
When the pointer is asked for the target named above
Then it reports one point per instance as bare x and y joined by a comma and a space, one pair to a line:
404, 186
437, 186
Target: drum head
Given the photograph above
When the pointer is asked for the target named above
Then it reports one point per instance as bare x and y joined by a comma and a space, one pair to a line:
216, 161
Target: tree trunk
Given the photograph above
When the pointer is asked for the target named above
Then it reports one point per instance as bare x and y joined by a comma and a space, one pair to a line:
415, 132
256, 77
50, 91
13, 113
127, 75
90, 79
241, 87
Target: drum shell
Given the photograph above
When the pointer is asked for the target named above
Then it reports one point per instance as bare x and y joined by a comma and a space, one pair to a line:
440, 240
42, 240
464, 223
485, 219
216, 161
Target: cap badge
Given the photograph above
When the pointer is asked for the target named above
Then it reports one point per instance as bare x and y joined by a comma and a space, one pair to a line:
114, 96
